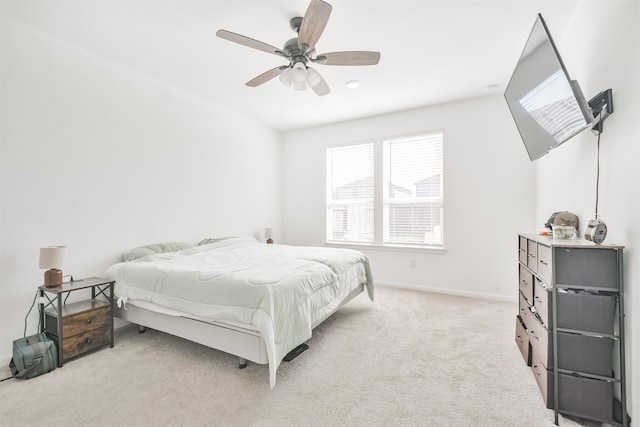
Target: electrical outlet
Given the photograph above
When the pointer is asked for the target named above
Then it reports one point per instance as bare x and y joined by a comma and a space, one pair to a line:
412, 263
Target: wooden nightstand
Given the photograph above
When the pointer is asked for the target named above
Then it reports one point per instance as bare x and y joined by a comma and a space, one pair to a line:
79, 327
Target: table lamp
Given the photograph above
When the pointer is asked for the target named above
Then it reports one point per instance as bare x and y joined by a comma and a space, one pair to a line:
53, 258
268, 234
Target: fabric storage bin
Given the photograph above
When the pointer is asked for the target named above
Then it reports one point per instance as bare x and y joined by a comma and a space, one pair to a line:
580, 395
578, 353
522, 340
587, 312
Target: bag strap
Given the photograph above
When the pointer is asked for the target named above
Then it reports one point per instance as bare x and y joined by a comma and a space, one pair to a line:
25, 373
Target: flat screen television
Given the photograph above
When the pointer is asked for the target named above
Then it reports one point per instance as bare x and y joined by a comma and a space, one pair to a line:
547, 106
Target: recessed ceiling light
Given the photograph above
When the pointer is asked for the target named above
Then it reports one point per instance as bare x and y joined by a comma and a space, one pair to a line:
352, 84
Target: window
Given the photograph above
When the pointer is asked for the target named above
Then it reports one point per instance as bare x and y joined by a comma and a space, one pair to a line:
350, 193
386, 192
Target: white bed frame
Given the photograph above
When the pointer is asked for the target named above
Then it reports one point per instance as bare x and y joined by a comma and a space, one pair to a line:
246, 343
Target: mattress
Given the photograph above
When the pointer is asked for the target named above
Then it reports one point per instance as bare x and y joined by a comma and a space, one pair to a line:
279, 290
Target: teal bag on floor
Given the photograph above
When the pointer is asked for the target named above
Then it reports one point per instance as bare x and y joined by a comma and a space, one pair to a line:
32, 356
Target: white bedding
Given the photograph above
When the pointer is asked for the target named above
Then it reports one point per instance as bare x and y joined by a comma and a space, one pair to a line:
278, 289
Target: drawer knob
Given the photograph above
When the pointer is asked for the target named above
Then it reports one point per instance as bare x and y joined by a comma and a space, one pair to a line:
87, 341
89, 321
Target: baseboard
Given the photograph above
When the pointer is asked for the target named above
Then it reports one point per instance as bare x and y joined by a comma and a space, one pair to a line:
447, 291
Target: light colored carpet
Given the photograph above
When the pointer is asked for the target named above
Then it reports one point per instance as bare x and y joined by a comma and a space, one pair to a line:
408, 359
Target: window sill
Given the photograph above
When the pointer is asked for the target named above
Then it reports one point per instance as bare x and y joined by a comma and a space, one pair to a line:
389, 248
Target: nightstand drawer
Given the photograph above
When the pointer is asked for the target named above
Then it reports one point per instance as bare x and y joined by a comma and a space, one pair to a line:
79, 344
79, 317
87, 321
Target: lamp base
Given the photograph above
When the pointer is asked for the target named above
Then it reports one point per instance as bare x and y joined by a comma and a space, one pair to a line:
53, 277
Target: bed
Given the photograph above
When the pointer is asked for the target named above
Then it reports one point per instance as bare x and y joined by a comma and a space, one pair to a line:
254, 300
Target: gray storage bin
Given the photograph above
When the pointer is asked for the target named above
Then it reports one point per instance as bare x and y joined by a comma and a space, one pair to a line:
587, 268
578, 353
579, 395
587, 312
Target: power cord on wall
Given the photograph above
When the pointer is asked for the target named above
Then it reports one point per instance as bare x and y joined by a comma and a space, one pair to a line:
598, 175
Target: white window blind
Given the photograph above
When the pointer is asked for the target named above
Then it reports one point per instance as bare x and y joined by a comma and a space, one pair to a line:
350, 193
387, 192
413, 190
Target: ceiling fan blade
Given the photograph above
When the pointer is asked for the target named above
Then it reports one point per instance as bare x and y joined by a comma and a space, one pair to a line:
322, 88
249, 42
266, 76
317, 83
313, 23
355, 57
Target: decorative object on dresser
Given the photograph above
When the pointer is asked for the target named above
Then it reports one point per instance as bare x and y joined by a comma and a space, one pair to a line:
78, 327
53, 258
567, 328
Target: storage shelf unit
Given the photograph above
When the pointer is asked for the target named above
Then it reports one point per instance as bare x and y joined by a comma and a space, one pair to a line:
580, 284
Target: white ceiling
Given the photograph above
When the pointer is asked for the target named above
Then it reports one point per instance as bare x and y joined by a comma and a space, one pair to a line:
432, 52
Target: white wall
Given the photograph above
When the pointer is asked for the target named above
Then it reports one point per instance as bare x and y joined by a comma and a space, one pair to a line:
601, 49
101, 158
488, 193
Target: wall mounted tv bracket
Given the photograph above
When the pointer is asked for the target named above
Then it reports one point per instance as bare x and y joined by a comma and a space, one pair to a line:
601, 107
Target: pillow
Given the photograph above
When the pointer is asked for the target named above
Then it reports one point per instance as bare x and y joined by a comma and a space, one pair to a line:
155, 248
213, 240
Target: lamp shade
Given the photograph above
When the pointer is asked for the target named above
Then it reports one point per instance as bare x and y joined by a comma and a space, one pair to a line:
268, 233
286, 77
53, 256
299, 72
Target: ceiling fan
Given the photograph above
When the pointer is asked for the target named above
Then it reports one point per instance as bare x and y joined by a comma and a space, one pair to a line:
301, 50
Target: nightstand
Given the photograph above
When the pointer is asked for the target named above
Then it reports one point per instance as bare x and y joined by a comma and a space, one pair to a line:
78, 327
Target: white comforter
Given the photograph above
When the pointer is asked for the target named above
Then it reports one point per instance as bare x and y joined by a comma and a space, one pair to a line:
278, 289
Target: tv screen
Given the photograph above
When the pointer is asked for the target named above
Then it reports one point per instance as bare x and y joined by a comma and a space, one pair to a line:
547, 106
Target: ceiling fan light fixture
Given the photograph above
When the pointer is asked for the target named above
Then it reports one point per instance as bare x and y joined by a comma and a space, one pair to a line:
299, 72
286, 77
299, 85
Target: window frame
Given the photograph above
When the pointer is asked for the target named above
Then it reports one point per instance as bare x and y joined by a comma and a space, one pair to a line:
378, 198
